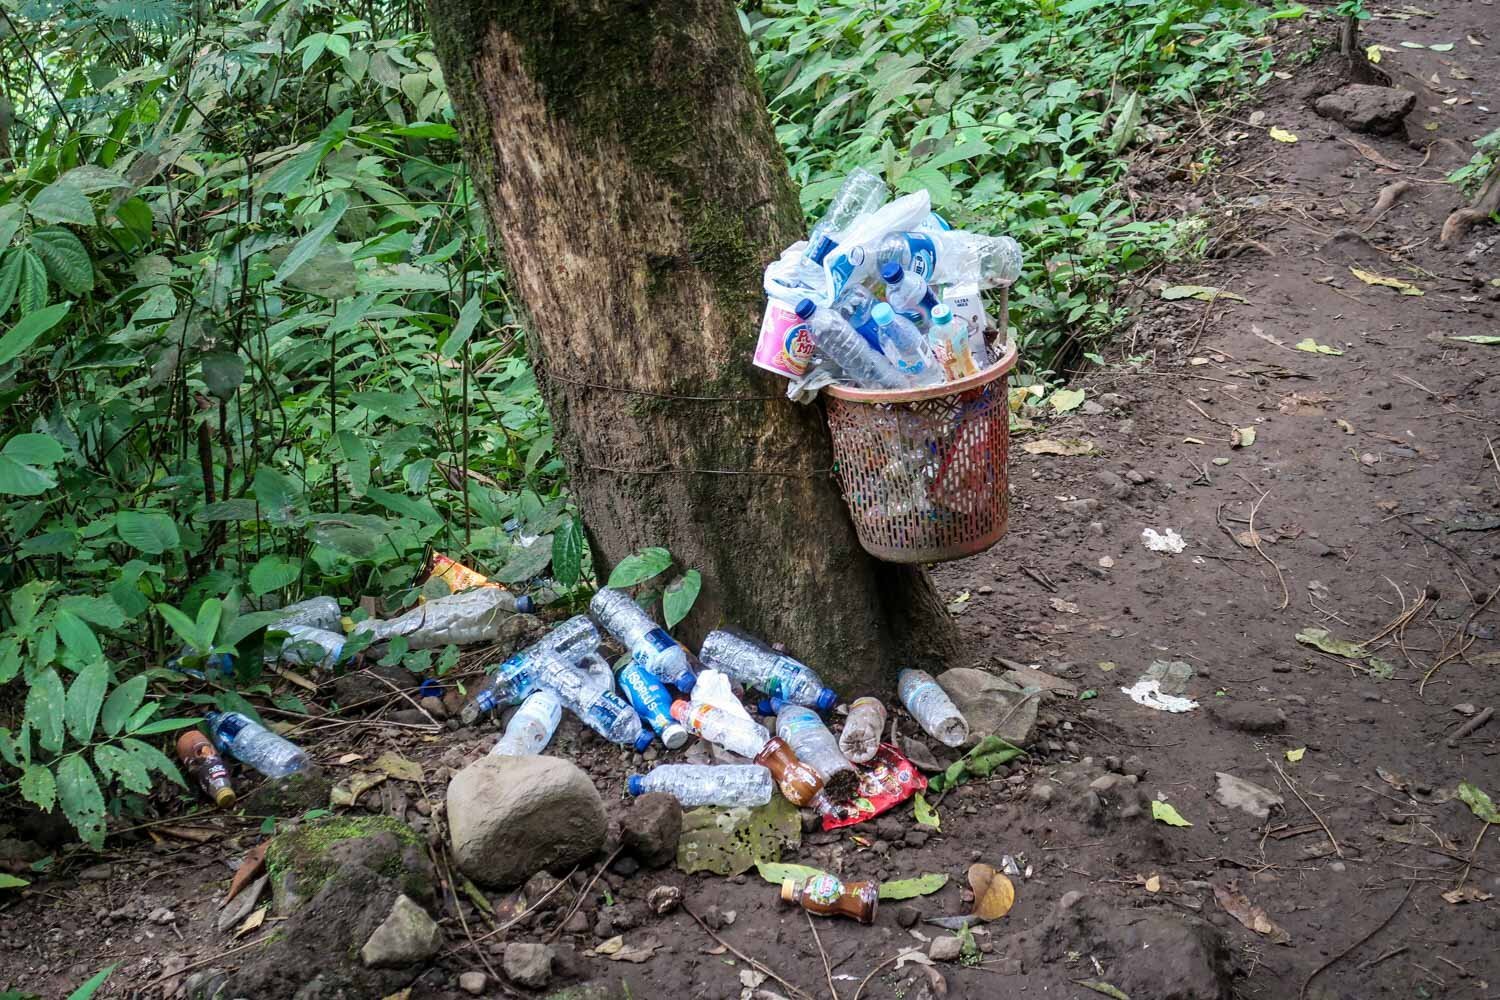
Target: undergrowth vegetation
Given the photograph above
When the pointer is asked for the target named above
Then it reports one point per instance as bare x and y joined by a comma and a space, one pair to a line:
253, 345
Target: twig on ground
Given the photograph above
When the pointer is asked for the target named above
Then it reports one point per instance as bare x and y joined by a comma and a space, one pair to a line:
1473, 851
458, 907
758, 966
1381, 958
217, 956
827, 969
1470, 726
414, 703
865, 981
530, 912
1048, 584
1331, 839
579, 898
1464, 641
1302, 993
1286, 595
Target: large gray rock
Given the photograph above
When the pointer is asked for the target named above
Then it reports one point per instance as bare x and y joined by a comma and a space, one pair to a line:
513, 816
528, 964
405, 936
1363, 108
992, 705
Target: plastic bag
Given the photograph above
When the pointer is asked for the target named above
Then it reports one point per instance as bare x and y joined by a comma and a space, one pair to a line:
888, 780
854, 258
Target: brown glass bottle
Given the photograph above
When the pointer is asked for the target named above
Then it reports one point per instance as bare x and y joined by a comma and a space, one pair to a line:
826, 896
799, 783
206, 766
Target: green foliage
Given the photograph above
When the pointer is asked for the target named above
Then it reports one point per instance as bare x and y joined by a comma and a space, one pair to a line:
1471, 176
1014, 114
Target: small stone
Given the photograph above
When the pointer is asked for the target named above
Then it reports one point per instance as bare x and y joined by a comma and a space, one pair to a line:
1092, 409
1365, 108
907, 916
1113, 484
97, 873
651, 828
1137, 477
162, 915
577, 923
945, 949
916, 837
664, 899
434, 707
406, 936
1249, 716
986, 590
472, 983
528, 964
625, 865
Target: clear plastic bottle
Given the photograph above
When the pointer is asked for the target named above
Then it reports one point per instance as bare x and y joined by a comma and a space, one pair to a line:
930, 705
250, 743
908, 294
735, 734
459, 619
836, 340
574, 641
863, 729
855, 305
951, 343
756, 665
651, 702
816, 747
604, 712
645, 640
860, 193
596, 669
725, 785
315, 612
905, 347
309, 646
949, 257
530, 729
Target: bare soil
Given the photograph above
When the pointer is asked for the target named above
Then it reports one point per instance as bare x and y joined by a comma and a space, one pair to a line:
1372, 489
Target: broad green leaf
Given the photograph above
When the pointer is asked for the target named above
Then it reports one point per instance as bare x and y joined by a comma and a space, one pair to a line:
923, 812
1313, 347
115, 763
525, 562
166, 726
1203, 293
29, 328
680, 596
62, 202
82, 802
207, 625
122, 701
31, 287
1064, 400
85, 698
1126, 119
639, 567
309, 244
777, 872
272, 573
150, 531
567, 552
910, 888
185, 627
1478, 802
1164, 813
26, 600
39, 786
468, 318
10, 222
100, 611
33, 449
277, 493
154, 759
45, 703
21, 480
10, 278
357, 461
88, 989
405, 506
77, 636
66, 259
223, 373
11, 882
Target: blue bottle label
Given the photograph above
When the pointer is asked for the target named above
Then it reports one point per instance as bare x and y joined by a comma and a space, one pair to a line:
868, 329
821, 249
650, 700
652, 644
842, 268
923, 254
601, 715
229, 727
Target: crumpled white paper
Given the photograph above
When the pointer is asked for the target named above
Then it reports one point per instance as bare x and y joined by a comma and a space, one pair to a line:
1147, 691
1170, 542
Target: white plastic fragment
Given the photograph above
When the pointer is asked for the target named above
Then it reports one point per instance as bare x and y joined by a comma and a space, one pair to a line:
1147, 691
1170, 542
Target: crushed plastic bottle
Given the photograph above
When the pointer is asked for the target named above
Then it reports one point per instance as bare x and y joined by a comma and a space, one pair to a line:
723, 785
930, 705
837, 341
905, 347
756, 665
574, 639
596, 669
816, 747
645, 640
953, 257
458, 619
306, 645
745, 737
250, 743
530, 729
908, 294
315, 612
861, 193
604, 712
206, 767
855, 306
651, 702
863, 729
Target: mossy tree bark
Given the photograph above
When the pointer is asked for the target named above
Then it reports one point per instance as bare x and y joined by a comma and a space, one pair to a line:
629, 170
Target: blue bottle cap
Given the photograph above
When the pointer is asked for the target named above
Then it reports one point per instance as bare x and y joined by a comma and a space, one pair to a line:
685, 682
525, 605
643, 740
806, 308
765, 707
883, 314
429, 689
891, 273
635, 784
827, 698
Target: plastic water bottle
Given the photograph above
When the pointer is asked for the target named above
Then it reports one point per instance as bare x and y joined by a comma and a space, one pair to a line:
905, 347
725, 785
949, 257
604, 712
837, 341
651, 702
308, 646
458, 619
531, 728
951, 343
816, 747
735, 734
315, 612
855, 305
253, 744
930, 705
860, 193
862, 729
908, 294
758, 666
597, 671
574, 639
645, 640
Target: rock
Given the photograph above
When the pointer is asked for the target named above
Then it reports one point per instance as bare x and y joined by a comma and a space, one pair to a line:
434, 707
992, 705
97, 873
1092, 409
237, 909
544, 893
1365, 108
651, 828
292, 795
1249, 716
204, 984
1237, 793
528, 964
916, 837
1050, 685
664, 899
625, 866
945, 949
472, 983
300, 861
907, 916
510, 817
578, 923
1113, 484
407, 935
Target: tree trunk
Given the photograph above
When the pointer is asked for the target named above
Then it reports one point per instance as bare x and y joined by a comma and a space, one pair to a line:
627, 165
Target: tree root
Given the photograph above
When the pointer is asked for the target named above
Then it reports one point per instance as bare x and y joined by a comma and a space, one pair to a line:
1484, 205
1388, 197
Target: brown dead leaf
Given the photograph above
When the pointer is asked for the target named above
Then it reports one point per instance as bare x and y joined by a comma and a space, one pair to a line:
1066, 607
1466, 894
351, 758
1345, 426
993, 893
197, 834
253, 921
252, 868
296, 678
1370, 154
399, 767
1304, 404
1153, 884
636, 953
1065, 446
348, 791
1253, 917
611, 946
1247, 539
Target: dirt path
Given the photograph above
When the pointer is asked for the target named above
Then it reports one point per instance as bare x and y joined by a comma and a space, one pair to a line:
1373, 483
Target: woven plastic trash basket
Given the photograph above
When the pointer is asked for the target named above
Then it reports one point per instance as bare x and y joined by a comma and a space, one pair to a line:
924, 470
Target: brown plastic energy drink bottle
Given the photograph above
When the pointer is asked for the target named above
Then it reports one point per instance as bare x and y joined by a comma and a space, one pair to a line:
206, 766
826, 896
799, 783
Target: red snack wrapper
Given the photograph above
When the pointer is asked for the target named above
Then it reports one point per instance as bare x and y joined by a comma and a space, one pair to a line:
889, 779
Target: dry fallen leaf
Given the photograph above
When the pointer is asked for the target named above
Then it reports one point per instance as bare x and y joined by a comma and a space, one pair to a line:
1467, 894
1066, 607
399, 767
1295, 755
351, 758
1282, 135
1064, 446
252, 868
1247, 539
611, 946
1304, 404
1243, 437
1345, 426
348, 791
1313, 347
253, 921
637, 953
1153, 884
1240, 908
993, 893
1404, 287
1193, 441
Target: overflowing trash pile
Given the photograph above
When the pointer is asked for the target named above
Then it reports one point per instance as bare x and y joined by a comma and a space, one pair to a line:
881, 295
